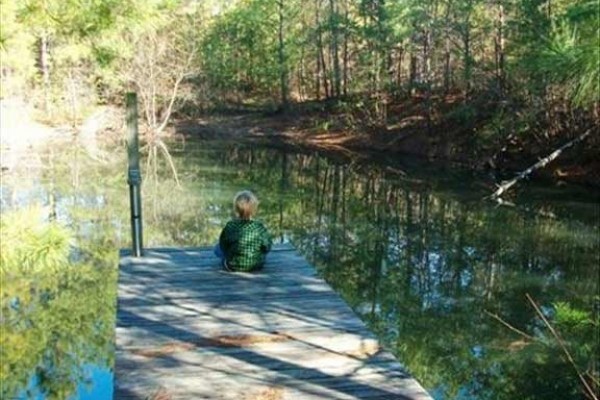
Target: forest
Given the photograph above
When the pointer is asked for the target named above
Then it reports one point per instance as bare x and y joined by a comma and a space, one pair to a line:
374, 132
493, 84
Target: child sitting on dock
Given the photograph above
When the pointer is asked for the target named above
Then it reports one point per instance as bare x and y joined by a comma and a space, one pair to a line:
244, 242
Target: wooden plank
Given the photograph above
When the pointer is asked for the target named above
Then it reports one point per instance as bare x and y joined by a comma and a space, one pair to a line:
191, 280
282, 333
275, 342
233, 385
136, 365
167, 313
250, 292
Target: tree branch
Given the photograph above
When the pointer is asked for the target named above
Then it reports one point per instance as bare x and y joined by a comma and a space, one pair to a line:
509, 326
183, 74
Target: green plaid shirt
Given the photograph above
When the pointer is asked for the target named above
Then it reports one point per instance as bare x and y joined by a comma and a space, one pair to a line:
245, 244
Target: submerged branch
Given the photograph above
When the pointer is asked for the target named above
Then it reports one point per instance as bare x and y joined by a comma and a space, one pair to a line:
528, 210
509, 326
588, 390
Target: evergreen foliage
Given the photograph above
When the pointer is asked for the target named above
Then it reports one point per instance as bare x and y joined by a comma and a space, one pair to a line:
532, 50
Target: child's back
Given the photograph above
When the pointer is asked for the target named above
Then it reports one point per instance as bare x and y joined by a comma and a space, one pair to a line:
245, 242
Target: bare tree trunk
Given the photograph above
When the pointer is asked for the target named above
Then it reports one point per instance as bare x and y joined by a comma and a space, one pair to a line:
301, 71
384, 64
467, 57
427, 75
389, 68
447, 71
319, 51
399, 69
413, 73
183, 74
325, 73
447, 49
333, 19
499, 47
282, 61
345, 50
427, 58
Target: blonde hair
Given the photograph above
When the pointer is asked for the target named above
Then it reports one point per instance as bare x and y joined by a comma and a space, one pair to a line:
245, 204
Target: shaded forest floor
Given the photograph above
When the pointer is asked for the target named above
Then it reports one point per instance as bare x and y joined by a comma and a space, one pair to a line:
451, 132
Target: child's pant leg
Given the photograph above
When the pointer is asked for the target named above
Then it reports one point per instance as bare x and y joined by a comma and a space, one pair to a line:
219, 252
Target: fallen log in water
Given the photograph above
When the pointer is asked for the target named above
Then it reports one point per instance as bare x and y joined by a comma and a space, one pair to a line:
540, 164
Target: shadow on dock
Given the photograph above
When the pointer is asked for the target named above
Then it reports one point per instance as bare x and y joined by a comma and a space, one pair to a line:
186, 329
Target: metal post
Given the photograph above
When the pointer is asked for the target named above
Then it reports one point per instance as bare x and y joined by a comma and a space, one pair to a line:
134, 176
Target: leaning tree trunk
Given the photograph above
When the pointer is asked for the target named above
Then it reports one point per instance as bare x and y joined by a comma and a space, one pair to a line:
540, 164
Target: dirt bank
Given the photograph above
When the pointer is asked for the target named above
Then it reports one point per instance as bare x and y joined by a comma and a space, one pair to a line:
408, 131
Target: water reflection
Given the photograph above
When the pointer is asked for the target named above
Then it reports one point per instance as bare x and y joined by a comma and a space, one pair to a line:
416, 253
428, 266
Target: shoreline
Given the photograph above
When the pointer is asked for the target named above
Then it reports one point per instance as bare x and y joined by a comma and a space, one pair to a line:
294, 131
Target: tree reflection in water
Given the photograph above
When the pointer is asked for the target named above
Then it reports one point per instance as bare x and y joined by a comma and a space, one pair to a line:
419, 257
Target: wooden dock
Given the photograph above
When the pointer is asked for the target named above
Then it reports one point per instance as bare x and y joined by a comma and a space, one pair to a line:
188, 330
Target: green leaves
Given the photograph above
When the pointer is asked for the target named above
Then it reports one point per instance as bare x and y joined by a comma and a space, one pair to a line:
57, 315
572, 319
28, 245
240, 51
564, 49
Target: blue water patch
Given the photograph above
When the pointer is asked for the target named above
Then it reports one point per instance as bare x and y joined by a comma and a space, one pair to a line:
98, 385
101, 387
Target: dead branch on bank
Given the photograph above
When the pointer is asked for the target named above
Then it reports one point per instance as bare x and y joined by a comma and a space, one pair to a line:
158, 74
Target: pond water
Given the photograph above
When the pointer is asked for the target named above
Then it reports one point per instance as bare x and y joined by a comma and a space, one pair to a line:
440, 275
